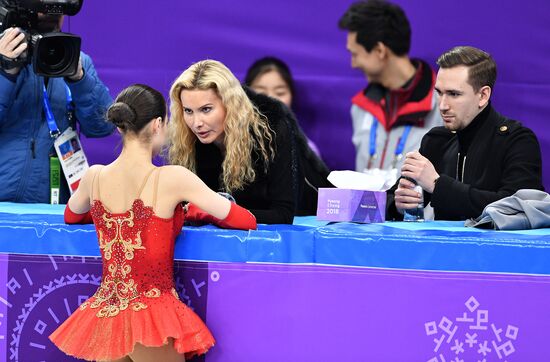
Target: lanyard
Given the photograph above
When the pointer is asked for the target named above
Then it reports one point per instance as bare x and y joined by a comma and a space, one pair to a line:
400, 146
372, 141
52, 125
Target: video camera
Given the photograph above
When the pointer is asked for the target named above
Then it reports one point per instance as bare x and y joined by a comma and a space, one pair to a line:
53, 54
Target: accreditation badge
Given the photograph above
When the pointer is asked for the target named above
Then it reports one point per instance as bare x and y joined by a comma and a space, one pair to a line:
71, 156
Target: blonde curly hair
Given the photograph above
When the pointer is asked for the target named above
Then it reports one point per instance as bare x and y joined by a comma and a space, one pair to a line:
245, 128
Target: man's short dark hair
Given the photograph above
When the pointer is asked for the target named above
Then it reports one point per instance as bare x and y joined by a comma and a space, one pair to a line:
482, 69
378, 21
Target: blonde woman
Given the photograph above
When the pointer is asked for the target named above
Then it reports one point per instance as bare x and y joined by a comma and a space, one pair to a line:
235, 140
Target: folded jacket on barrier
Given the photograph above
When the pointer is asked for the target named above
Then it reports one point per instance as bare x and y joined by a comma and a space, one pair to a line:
526, 209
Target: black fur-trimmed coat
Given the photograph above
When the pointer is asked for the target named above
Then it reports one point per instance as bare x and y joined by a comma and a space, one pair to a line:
280, 191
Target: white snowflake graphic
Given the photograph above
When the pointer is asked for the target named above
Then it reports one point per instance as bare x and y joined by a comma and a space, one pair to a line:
471, 331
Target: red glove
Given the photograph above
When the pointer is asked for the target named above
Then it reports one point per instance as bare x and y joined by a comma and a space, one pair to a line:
72, 218
238, 217
195, 214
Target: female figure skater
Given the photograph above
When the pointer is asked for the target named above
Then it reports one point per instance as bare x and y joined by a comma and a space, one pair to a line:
136, 314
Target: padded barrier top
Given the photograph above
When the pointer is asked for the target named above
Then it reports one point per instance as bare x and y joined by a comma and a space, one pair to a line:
436, 245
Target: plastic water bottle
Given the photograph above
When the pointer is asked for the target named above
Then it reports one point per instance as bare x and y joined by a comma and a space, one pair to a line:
416, 214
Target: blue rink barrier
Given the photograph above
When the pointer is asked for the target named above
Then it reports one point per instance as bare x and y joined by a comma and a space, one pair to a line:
436, 245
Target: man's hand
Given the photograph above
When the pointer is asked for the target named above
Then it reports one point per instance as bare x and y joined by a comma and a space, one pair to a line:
405, 195
420, 169
12, 44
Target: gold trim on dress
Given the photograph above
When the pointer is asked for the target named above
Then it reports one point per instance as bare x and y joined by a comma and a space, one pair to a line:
153, 293
115, 290
129, 245
138, 306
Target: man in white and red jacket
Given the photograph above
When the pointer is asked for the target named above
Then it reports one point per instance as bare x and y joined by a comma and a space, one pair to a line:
392, 114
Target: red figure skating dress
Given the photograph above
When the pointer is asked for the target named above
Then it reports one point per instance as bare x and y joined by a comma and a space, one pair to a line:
136, 301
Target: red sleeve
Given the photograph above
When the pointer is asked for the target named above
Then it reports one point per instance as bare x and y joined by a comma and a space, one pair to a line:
195, 214
238, 217
72, 218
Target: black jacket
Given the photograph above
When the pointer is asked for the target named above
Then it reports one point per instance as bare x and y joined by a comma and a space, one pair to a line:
498, 156
312, 172
279, 192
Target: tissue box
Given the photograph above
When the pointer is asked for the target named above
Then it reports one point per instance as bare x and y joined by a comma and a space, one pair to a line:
351, 205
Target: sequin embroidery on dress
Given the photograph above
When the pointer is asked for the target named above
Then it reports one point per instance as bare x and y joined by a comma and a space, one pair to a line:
120, 238
118, 289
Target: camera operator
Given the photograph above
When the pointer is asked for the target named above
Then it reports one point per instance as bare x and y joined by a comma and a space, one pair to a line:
26, 98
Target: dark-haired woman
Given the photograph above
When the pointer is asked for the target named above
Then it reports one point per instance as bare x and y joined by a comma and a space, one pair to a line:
136, 314
272, 77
